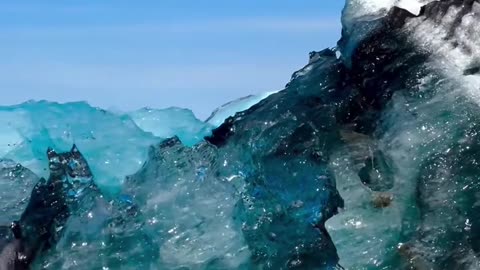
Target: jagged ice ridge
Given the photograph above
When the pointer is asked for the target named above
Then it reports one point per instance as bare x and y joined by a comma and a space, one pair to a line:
368, 159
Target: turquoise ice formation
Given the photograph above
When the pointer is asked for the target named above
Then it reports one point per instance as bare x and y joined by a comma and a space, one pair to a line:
368, 159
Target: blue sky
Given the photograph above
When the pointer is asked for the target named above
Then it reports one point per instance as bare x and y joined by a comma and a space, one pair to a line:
126, 55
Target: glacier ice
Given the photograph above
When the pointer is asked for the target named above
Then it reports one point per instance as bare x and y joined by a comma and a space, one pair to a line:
92, 225
367, 161
170, 122
229, 109
430, 112
452, 37
30, 128
362, 17
16, 183
362, 9
189, 207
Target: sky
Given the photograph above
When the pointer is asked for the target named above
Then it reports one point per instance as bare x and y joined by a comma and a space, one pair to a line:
124, 55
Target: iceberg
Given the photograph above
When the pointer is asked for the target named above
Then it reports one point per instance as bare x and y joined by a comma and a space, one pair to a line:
368, 159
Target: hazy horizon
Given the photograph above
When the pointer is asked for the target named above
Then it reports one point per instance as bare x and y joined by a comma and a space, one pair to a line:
174, 53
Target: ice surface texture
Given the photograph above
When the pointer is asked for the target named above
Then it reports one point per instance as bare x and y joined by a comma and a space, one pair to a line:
411, 75
232, 107
114, 146
16, 184
263, 176
171, 122
368, 160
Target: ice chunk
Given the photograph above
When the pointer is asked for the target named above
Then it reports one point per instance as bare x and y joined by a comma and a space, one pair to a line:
394, 132
240, 204
171, 122
451, 36
92, 226
361, 17
363, 9
189, 208
422, 118
289, 190
114, 145
232, 107
10, 137
16, 183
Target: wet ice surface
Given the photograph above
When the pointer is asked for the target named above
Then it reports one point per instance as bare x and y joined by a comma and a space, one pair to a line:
114, 146
16, 183
171, 122
369, 162
220, 114
189, 207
